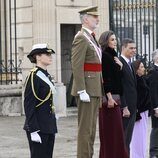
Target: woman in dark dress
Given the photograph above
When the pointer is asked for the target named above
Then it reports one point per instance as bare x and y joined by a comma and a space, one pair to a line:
138, 148
112, 143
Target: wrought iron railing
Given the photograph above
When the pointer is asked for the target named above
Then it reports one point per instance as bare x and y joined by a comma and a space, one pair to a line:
10, 74
9, 62
136, 19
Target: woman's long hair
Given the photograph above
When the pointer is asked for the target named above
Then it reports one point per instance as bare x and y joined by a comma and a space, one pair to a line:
104, 39
136, 64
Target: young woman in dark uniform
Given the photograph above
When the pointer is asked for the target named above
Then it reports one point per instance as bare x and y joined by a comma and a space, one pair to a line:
112, 143
40, 123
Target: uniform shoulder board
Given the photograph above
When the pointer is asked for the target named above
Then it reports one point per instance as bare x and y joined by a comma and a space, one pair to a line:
34, 69
77, 33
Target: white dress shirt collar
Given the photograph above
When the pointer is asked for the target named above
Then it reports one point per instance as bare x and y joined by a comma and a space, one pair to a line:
125, 58
88, 30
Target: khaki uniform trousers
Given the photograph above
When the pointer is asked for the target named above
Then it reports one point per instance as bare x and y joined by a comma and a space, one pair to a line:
87, 118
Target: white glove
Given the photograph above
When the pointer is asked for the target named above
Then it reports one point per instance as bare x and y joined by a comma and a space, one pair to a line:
84, 96
35, 137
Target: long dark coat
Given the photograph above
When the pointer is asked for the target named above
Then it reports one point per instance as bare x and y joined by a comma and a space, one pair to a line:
153, 87
111, 133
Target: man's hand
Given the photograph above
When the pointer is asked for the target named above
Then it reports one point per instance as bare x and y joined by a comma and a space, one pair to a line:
156, 113
126, 112
35, 137
84, 96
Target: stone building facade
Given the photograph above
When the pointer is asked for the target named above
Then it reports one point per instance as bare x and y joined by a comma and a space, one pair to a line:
54, 22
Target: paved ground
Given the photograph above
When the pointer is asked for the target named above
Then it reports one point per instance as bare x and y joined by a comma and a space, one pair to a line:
13, 142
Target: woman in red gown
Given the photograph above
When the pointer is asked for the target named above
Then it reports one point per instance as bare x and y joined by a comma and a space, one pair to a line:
112, 143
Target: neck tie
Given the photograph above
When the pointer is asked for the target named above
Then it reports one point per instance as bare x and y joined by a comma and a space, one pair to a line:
93, 34
129, 64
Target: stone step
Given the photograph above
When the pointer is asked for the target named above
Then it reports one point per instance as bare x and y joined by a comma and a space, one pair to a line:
72, 111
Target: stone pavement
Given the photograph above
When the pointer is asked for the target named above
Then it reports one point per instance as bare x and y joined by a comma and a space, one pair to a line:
13, 142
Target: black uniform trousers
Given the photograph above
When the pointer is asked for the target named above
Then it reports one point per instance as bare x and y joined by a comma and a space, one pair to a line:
44, 149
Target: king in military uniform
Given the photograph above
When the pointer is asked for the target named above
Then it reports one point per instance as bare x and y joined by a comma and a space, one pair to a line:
40, 123
87, 80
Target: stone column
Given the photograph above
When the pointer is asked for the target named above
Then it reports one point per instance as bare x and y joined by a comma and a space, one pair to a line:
45, 31
103, 6
44, 26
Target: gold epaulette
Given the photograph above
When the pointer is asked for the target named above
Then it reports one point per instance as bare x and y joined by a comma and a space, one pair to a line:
27, 78
34, 69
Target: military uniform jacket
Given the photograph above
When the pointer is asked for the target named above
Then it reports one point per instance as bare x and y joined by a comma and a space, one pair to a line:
40, 118
83, 51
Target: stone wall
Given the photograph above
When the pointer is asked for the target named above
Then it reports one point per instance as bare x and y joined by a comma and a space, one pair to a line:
40, 21
10, 100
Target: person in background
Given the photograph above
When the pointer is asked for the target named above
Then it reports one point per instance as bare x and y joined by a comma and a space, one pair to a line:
138, 148
153, 87
129, 97
87, 80
40, 123
112, 141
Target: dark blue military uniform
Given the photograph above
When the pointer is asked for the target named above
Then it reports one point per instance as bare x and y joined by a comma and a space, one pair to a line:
41, 118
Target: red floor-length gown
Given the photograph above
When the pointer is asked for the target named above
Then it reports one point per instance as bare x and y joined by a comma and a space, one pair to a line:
112, 144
